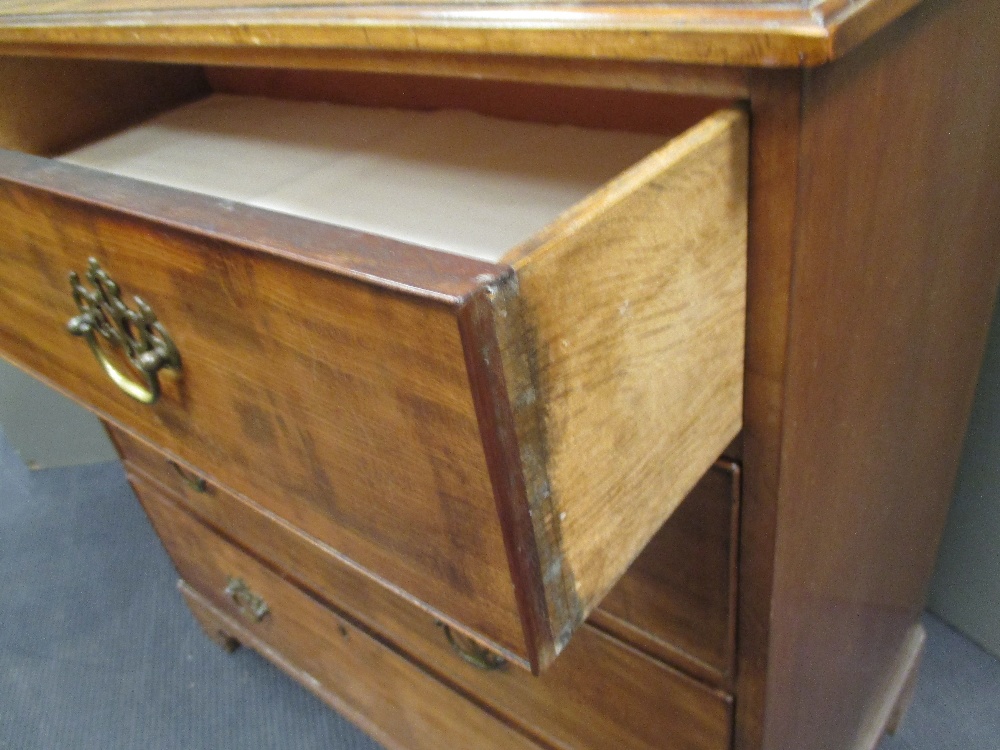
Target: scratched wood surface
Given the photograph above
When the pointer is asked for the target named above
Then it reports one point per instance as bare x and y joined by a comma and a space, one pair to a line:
633, 298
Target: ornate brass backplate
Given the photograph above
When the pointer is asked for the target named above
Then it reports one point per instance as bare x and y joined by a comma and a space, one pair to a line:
138, 334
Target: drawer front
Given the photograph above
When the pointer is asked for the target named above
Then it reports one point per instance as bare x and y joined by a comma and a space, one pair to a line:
327, 400
599, 693
397, 702
678, 600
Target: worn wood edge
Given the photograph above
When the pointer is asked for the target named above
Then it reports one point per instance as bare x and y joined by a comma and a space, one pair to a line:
851, 24
500, 442
896, 692
748, 34
497, 357
392, 265
246, 638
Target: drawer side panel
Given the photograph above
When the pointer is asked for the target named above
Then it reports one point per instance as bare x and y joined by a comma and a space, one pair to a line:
632, 384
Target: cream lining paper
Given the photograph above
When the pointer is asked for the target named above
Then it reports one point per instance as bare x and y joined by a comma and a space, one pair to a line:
456, 181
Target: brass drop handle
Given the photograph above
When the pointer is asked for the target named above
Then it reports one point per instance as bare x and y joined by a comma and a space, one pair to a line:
471, 652
250, 604
143, 339
193, 481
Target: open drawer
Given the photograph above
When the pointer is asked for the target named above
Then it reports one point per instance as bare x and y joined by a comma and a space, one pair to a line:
495, 437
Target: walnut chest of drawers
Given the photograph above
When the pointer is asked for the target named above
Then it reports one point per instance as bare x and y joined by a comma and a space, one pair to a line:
524, 375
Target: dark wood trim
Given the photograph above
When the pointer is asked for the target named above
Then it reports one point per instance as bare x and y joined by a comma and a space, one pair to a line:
774, 167
380, 261
500, 441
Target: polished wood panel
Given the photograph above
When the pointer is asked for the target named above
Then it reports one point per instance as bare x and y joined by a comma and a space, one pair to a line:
678, 600
345, 398
631, 298
894, 277
50, 106
598, 692
762, 32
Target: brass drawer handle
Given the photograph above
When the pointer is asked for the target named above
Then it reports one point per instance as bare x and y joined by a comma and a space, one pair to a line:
250, 604
193, 481
140, 335
471, 652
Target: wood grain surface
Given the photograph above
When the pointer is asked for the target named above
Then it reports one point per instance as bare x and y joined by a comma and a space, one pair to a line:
893, 277
622, 350
341, 406
599, 692
776, 113
757, 33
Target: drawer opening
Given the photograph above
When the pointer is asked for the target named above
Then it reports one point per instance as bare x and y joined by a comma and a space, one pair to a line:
437, 174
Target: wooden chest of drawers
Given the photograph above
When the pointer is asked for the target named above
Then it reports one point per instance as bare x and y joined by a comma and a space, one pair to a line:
578, 382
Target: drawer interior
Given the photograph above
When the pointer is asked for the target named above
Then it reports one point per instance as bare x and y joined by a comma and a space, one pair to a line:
451, 180
436, 173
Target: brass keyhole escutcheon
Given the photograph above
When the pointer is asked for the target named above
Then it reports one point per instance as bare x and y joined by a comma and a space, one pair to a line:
250, 604
136, 333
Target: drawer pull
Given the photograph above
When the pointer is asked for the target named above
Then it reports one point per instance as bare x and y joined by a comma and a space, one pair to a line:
471, 652
141, 337
250, 604
193, 481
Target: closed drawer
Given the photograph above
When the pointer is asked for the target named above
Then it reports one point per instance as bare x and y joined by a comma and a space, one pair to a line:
394, 700
599, 693
678, 599
499, 440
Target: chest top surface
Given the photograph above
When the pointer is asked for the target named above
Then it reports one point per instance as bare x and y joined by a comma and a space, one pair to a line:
756, 33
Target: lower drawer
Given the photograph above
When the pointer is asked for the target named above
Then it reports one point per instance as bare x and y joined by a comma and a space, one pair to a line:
598, 694
395, 701
678, 600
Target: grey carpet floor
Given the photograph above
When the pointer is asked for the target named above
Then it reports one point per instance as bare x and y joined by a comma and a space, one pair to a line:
97, 652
